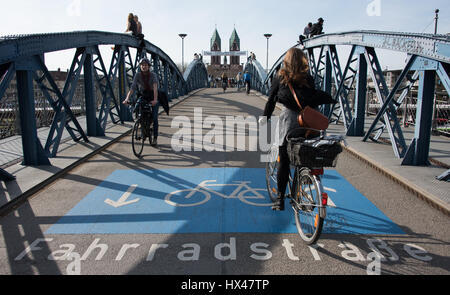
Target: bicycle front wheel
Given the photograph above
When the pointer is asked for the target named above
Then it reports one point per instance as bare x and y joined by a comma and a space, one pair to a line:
271, 173
137, 139
307, 205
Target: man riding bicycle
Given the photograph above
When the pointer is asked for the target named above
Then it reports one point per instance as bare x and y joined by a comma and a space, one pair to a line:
247, 78
146, 83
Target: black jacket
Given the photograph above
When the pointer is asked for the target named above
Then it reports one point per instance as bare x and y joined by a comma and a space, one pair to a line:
163, 101
317, 29
307, 96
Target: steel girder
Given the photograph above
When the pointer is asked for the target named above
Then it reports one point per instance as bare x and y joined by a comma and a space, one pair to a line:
435, 47
33, 152
258, 76
63, 104
6, 75
427, 55
196, 76
23, 56
418, 150
122, 69
57, 101
384, 96
7, 72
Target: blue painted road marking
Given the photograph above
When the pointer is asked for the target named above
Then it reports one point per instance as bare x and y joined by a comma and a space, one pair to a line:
209, 200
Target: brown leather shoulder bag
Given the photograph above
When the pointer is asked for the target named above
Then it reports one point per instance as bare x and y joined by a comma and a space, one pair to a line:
309, 117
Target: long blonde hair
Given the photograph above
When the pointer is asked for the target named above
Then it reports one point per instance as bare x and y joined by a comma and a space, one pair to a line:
295, 68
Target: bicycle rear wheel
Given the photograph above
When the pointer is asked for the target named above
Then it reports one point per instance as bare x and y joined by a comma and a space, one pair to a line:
137, 139
307, 205
271, 173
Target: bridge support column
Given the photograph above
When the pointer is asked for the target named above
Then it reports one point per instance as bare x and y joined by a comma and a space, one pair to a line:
418, 151
125, 113
357, 125
33, 153
327, 86
92, 123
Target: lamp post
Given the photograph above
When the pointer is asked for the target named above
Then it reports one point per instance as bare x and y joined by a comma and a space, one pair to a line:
434, 125
436, 21
267, 60
182, 50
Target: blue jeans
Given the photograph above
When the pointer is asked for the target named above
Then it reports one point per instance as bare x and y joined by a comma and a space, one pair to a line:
155, 114
155, 119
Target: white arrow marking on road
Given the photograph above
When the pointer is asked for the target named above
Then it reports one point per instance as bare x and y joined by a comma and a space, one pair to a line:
123, 200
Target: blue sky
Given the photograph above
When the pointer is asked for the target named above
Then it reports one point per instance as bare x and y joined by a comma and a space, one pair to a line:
164, 20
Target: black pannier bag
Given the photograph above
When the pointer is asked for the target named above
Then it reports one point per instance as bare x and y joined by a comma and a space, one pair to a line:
314, 153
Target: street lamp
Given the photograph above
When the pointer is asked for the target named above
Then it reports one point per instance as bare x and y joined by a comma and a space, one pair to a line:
434, 125
436, 21
267, 62
182, 50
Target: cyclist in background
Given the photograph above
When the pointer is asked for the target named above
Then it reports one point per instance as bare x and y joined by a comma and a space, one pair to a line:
146, 83
247, 78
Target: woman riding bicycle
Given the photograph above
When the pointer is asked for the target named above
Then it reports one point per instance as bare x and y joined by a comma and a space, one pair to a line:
146, 83
295, 71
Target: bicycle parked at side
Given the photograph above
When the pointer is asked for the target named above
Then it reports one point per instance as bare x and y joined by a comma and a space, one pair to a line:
143, 126
306, 193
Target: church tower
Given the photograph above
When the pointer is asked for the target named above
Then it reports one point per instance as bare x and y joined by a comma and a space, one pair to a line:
235, 45
215, 46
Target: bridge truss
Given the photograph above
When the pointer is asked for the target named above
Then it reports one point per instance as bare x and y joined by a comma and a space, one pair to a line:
428, 56
23, 57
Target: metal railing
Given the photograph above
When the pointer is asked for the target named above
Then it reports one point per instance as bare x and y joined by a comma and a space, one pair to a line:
428, 58
30, 96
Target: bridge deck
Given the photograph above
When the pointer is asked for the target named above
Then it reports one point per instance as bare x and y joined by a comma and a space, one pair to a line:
224, 235
380, 155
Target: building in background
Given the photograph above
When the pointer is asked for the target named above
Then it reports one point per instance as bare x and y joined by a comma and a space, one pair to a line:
225, 62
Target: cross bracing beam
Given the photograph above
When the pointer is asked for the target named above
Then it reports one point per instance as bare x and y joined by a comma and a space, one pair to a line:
64, 101
17, 52
7, 72
384, 97
343, 89
391, 98
59, 99
109, 105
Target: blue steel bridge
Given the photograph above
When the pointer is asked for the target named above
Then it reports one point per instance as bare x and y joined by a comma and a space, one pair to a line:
22, 62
